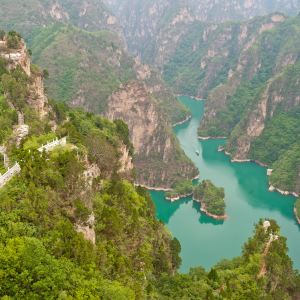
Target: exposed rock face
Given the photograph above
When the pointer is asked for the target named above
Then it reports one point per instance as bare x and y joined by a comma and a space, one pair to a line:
247, 64
158, 157
207, 55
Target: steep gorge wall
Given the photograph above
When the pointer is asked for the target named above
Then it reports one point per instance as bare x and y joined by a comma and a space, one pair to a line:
158, 158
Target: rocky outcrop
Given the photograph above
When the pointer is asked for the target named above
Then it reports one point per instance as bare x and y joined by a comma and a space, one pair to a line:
16, 57
126, 163
158, 158
38, 99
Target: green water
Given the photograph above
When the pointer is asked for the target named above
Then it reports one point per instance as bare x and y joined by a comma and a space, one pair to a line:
205, 241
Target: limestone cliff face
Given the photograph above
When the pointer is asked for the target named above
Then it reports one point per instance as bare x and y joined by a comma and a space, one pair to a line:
168, 102
158, 158
87, 62
250, 64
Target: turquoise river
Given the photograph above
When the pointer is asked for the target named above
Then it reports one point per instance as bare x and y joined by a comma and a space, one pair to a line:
205, 241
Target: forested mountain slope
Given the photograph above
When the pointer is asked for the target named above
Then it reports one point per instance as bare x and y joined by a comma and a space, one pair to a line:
80, 45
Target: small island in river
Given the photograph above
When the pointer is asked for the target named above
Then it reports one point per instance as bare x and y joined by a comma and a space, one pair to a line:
297, 210
211, 199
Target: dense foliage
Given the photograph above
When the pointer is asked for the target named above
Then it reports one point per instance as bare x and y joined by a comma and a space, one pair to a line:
210, 197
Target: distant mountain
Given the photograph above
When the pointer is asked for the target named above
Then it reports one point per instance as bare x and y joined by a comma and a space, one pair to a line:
25, 16
144, 21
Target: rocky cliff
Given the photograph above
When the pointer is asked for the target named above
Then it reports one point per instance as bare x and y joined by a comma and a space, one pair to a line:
158, 157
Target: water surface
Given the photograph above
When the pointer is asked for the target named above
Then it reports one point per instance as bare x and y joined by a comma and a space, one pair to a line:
205, 241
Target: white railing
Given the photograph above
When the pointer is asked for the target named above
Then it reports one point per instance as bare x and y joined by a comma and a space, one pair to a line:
9, 174
50, 146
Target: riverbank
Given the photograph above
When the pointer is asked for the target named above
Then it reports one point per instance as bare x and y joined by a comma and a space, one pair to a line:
183, 121
158, 189
269, 172
205, 138
178, 197
191, 97
296, 215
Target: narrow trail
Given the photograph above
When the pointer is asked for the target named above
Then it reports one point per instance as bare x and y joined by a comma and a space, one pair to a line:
263, 269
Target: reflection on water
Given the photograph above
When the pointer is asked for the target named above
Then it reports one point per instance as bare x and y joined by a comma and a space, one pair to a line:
206, 241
